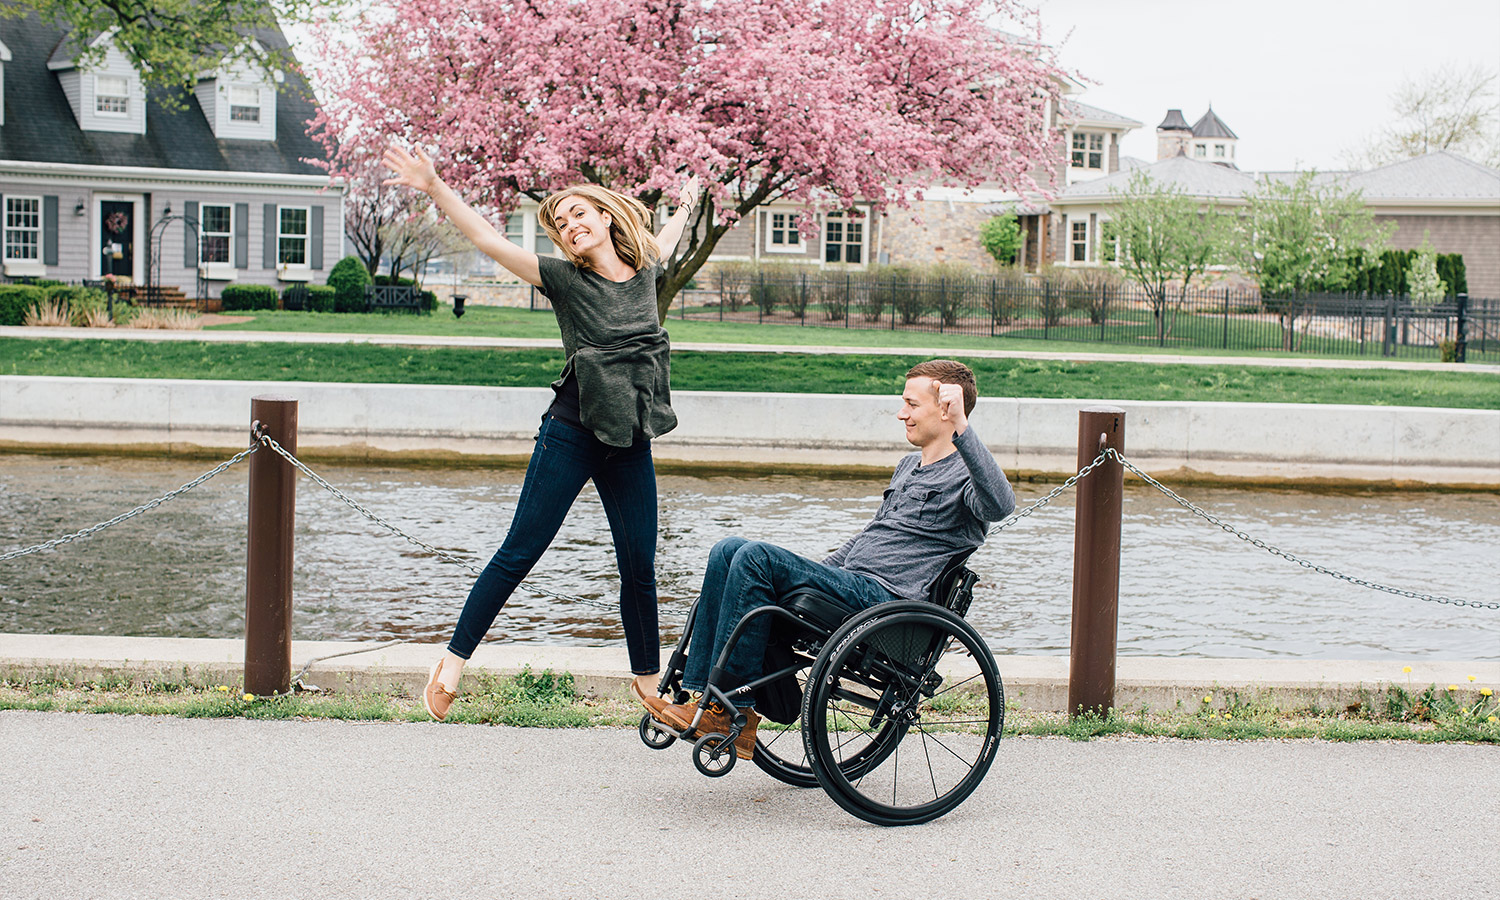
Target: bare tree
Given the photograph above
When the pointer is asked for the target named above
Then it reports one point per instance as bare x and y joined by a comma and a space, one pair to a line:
1454, 108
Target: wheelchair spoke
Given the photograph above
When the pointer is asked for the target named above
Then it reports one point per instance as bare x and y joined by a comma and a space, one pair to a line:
930, 773
957, 684
926, 733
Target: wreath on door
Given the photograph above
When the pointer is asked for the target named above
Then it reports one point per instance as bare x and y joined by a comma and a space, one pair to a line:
116, 222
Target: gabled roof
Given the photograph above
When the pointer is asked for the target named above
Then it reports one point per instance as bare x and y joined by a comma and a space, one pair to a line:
1194, 177
1211, 126
1083, 114
1174, 122
4, 52
40, 126
68, 49
1440, 176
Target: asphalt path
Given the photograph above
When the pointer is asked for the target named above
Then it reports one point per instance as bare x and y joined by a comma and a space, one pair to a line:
135, 806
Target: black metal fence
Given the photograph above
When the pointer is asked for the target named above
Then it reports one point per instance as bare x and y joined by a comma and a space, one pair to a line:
1105, 311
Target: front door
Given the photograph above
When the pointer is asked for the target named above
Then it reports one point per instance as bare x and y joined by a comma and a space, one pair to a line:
117, 238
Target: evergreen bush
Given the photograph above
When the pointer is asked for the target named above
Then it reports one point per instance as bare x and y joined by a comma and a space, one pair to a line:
15, 299
248, 296
348, 279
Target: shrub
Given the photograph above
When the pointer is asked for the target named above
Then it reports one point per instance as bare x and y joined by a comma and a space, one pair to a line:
171, 319
84, 304
320, 298
249, 296
15, 299
773, 286
348, 278
49, 313
1001, 238
733, 280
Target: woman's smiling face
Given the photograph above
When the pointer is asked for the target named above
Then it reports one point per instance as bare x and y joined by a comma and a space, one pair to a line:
582, 225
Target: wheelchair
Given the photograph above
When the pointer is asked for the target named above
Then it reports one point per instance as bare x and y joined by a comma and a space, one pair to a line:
895, 711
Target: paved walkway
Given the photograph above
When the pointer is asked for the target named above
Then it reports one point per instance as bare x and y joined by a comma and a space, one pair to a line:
412, 340
127, 807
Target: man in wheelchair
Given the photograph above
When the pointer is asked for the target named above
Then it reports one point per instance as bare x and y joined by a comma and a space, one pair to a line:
938, 505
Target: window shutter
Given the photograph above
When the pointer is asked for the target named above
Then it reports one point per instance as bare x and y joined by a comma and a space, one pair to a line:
49, 230
242, 235
190, 235
315, 248
268, 258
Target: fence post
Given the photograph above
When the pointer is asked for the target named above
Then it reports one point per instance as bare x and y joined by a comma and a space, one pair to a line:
804, 300
994, 303
1225, 345
1096, 563
760, 315
847, 302
268, 557
1388, 329
1461, 336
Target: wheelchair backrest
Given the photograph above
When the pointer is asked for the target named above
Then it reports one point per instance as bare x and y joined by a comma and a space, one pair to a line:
954, 588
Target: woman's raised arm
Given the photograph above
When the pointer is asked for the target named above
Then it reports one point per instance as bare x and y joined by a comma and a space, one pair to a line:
671, 232
415, 170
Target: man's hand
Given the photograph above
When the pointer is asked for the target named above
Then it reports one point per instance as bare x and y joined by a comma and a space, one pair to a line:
950, 398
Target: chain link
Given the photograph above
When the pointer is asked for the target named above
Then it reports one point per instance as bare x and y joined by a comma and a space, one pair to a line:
1015, 517
1275, 551
441, 554
143, 508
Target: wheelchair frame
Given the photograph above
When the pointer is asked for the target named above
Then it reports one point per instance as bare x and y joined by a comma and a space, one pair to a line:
882, 662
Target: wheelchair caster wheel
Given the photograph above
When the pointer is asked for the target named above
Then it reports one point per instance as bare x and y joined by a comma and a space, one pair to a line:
653, 736
713, 754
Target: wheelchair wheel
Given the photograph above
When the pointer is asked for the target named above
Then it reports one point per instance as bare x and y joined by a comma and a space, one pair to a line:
781, 752
876, 691
653, 735
713, 755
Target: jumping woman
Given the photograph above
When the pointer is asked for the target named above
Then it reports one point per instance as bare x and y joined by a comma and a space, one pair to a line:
611, 399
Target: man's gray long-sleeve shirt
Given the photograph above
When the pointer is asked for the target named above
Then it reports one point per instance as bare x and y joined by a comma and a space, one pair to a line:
929, 514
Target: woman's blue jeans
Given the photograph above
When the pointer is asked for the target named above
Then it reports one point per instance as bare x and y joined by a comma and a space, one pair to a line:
743, 575
564, 459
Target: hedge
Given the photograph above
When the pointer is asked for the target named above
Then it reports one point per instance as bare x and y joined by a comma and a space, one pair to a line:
248, 296
348, 278
15, 299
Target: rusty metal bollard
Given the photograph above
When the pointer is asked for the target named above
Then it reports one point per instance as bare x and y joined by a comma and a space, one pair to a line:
1096, 563
268, 557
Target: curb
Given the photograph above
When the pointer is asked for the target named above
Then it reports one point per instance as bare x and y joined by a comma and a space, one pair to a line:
1032, 683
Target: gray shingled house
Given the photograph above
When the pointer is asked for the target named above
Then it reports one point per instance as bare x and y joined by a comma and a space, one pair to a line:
98, 177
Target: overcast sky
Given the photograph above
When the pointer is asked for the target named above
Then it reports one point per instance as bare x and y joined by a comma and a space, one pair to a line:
1299, 82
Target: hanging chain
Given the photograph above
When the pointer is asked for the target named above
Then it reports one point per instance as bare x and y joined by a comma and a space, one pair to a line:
143, 508
441, 554
1275, 551
1015, 517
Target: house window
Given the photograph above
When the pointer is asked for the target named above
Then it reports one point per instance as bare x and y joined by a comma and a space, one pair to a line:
112, 95
291, 236
23, 229
1080, 241
1200, 151
782, 236
1088, 150
844, 238
1218, 151
215, 228
244, 103
515, 228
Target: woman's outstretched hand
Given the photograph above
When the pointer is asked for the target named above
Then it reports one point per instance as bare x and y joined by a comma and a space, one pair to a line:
412, 169
688, 196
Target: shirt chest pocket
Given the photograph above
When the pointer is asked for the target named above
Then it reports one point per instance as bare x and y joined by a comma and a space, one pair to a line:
918, 503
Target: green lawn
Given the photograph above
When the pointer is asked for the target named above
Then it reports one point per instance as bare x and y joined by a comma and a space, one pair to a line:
736, 371
1132, 330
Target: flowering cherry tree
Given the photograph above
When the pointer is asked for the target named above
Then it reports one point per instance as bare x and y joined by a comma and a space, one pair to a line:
819, 102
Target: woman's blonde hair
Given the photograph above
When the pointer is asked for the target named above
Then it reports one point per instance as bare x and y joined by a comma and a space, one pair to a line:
629, 228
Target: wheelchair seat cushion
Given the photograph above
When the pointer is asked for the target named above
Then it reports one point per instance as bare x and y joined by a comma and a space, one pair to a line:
822, 609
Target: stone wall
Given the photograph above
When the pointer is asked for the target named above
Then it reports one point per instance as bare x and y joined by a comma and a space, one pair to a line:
948, 233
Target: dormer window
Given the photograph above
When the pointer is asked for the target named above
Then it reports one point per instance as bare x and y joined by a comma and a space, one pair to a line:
111, 95
1088, 150
244, 103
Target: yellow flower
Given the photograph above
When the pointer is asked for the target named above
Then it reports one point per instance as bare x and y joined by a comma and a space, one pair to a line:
1208, 698
1492, 720
1227, 717
1485, 692
1471, 677
1452, 687
1464, 710
1406, 669
223, 687
249, 696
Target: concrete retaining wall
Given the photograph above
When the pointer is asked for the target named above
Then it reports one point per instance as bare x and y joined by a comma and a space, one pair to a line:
1187, 441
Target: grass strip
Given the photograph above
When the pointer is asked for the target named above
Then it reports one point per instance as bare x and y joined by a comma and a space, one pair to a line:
545, 700
753, 372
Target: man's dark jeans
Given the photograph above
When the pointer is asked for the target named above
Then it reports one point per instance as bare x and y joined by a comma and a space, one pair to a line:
565, 457
743, 575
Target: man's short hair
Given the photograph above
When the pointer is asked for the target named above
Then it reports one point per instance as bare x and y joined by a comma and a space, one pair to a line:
949, 372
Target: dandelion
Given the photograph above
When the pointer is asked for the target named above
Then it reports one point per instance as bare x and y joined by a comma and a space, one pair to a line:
249, 696
223, 687
1471, 677
1227, 717
1485, 692
1208, 698
1452, 687
1463, 710
1492, 720
1406, 669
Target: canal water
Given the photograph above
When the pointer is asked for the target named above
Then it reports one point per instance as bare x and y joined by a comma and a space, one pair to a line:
1186, 588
